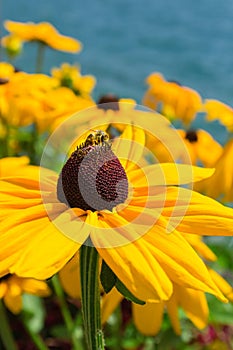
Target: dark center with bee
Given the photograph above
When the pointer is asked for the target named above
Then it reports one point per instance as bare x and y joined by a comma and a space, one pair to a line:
191, 136
93, 177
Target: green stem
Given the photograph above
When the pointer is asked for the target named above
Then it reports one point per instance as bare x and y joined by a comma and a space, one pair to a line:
40, 57
90, 294
5, 330
66, 313
36, 338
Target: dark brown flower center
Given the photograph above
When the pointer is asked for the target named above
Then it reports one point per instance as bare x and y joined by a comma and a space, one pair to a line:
5, 277
108, 101
93, 178
3, 81
191, 136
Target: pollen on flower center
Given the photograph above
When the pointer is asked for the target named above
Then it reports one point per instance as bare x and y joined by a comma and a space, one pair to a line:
191, 136
93, 177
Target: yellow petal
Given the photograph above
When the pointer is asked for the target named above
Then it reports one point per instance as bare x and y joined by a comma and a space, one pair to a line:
24, 216
16, 239
109, 303
172, 309
13, 303
129, 146
194, 304
36, 287
168, 174
198, 214
67, 275
3, 289
179, 260
11, 186
148, 318
223, 285
200, 247
47, 252
134, 265
71, 225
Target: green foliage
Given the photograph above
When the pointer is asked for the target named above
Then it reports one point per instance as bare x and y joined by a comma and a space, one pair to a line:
33, 313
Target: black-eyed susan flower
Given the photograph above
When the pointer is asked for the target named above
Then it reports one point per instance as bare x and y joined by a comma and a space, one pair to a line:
163, 142
199, 143
220, 184
45, 33
71, 77
217, 110
172, 99
13, 287
126, 211
40, 100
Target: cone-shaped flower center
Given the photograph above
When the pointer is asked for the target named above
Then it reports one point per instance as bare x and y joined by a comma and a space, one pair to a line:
108, 101
93, 177
191, 136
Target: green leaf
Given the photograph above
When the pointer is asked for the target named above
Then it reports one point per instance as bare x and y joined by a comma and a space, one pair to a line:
127, 294
33, 312
107, 277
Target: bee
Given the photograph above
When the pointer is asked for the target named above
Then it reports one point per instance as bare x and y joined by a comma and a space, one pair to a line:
97, 137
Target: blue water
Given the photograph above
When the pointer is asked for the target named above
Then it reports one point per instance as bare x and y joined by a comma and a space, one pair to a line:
124, 41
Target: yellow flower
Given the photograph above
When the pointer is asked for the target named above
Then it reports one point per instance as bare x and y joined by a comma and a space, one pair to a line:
216, 110
220, 184
12, 287
70, 76
43, 32
38, 99
172, 99
23, 97
199, 143
6, 70
164, 146
13, 45
127, 220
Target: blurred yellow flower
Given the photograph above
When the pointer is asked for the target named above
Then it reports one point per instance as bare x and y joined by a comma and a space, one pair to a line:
220, 184
216, 110
199, 143
6, 71
45, 33
165, 146
70, 76
172, 99
12, 288
38, 99
13, 45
